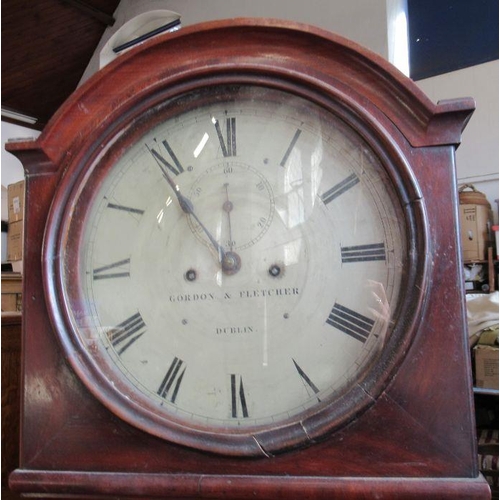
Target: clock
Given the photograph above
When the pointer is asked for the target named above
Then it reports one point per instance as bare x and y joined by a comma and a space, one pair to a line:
235, 269
245, 271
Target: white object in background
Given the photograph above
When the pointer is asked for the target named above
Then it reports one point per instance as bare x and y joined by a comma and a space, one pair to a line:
482, 312
137, 30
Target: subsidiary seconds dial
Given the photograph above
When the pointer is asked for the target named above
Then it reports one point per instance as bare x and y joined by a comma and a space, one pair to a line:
245, 199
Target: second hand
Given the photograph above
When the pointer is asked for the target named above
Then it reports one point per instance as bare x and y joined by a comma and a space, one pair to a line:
228, 207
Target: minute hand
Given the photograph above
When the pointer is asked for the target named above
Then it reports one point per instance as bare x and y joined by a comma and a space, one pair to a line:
187, 207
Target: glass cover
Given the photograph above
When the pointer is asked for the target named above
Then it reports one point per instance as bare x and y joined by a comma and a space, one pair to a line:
241, 263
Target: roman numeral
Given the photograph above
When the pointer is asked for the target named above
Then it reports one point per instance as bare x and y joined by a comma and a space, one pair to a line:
172, 381
118, 269
123, 208
176, 168
350, 322
126, 333
228, 145
305, 378
238, 400
290, 147
363, 253
339, 188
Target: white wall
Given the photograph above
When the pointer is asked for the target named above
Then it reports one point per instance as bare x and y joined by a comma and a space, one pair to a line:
477, 156
12, 170
363, 21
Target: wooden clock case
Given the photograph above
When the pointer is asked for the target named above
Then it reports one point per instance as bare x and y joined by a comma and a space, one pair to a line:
417, 438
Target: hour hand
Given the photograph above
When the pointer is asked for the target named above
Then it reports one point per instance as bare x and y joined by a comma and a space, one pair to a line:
230, 262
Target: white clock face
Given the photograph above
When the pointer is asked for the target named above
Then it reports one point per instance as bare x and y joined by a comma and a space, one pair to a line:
242, 263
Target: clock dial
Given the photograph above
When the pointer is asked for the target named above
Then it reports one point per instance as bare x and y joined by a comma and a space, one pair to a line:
241, 265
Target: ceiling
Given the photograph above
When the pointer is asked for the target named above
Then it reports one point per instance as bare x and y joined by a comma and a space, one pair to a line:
46, 47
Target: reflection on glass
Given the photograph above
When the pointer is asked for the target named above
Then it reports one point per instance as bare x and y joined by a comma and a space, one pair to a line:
201, 145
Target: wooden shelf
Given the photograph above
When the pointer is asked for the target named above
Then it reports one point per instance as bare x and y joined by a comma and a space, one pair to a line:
485, 391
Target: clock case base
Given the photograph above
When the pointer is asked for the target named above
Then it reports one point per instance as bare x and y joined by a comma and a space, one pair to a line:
417, 440
129, 486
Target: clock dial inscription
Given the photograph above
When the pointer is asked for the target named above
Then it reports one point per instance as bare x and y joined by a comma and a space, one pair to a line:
126, 333
174, 165
363, 253
290, 147
332, 193
119, 269
170, 384
356, 325
227, 144
305, 378
238, 398
250, 252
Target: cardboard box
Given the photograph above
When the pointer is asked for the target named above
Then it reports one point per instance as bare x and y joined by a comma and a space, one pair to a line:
15, 241
474, 221
15, 197
17, 266
486, 358
9, 302
11, 292
495, 230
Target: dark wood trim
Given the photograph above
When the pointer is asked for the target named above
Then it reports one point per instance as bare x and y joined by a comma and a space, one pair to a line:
92, 11
192, 486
